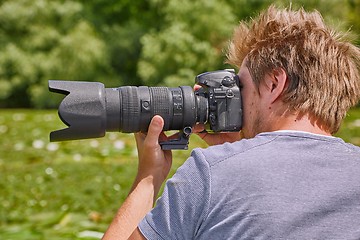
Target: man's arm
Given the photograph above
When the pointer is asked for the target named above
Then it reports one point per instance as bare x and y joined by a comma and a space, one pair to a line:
133, 210
154, 166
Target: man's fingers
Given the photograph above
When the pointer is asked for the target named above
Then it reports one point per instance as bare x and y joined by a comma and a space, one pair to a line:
197, 87
198, 128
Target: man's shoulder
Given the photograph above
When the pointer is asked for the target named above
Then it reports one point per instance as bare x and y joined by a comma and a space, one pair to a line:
274, 143
222, 152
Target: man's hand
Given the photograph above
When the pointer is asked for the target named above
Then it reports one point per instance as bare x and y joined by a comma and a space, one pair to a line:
154, 166
153, 161
216, 138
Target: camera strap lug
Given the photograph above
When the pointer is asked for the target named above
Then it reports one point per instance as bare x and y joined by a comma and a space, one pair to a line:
181, 142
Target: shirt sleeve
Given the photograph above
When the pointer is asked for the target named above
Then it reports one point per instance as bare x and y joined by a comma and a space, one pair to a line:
180, 210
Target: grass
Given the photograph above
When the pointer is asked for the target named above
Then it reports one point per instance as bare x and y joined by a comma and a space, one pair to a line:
65, 190
71, 190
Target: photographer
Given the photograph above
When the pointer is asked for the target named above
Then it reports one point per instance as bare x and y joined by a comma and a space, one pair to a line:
285, 176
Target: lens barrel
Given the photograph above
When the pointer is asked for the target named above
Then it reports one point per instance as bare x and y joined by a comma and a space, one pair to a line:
130, 109
90, 110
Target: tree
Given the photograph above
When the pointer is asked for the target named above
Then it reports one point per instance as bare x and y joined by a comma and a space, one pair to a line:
189, 42
354, 17
41, 40
122, 23
192, 39
125, 42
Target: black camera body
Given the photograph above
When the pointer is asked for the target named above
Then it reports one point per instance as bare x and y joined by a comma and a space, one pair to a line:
221, 88
90, 109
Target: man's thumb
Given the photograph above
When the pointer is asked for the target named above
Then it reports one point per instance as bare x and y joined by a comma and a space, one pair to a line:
155, 128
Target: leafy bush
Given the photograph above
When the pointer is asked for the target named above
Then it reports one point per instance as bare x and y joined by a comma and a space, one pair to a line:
122, 42
44, 40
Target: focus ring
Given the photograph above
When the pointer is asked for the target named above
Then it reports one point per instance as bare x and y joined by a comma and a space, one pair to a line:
161, 103
131, 109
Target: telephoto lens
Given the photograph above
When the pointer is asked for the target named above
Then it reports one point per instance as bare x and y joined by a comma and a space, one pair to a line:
90, 109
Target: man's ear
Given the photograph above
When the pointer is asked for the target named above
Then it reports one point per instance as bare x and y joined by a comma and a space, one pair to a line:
275, 83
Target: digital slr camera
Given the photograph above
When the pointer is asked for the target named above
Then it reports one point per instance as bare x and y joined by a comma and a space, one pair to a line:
89, 109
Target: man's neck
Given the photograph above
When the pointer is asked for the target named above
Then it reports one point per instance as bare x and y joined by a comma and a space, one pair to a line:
302, 123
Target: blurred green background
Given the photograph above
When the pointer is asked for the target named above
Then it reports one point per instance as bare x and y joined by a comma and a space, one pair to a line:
125, 42
71, 190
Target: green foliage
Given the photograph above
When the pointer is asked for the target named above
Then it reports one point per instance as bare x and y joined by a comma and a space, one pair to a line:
124, 47
43, 40
121, 25
70, 190
189, 42
354, 17
173, 57
62, 190
124, 42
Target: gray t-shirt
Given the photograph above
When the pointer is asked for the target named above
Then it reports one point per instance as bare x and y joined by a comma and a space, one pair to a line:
278, 185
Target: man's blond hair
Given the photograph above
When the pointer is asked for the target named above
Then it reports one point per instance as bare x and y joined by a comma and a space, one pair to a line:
321, 65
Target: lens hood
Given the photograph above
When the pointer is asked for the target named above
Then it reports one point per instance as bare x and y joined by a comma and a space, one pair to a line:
83, 109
